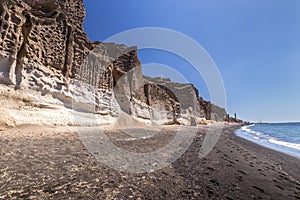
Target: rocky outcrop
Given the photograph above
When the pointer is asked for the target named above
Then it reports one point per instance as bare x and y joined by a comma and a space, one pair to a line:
185, 93
190, 102
106, 79
43, 44
46, 33
43, 48
157, 103
211, 111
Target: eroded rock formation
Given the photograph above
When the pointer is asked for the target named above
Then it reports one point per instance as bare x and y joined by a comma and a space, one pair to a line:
189, 100
47, 33
43, 47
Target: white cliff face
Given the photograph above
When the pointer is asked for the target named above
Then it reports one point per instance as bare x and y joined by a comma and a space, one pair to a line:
44, 48
44, 51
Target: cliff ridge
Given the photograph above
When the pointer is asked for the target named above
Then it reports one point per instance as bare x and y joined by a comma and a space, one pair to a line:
45, 49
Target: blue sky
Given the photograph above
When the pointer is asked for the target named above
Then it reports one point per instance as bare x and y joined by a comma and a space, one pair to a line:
254, 43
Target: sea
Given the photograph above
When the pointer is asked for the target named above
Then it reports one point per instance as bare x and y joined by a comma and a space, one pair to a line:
283, 137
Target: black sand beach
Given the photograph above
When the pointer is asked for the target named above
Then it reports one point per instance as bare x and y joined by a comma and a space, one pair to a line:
44, 163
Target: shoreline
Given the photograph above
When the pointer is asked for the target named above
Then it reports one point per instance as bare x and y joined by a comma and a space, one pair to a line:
277, 156
278, 148
39, 162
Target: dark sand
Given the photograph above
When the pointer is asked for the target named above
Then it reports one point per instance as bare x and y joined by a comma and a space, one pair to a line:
40, 164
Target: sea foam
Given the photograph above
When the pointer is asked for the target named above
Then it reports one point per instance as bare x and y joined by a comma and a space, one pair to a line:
280, 137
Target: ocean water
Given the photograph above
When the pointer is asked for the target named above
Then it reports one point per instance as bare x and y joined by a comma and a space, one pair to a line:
283, 137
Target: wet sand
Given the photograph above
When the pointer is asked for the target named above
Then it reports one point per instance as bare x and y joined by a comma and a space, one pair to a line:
49, 163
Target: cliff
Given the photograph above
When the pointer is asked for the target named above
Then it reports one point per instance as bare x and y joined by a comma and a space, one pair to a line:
45, 33
44, 49
190, 102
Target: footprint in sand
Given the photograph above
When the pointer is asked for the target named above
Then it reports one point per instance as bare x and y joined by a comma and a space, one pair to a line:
240, 178
218, 151
214, 182
210, 168
280, 187
258, 188
228, 160
242, 172
262, 174
284, 177
229, 165
209, 191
